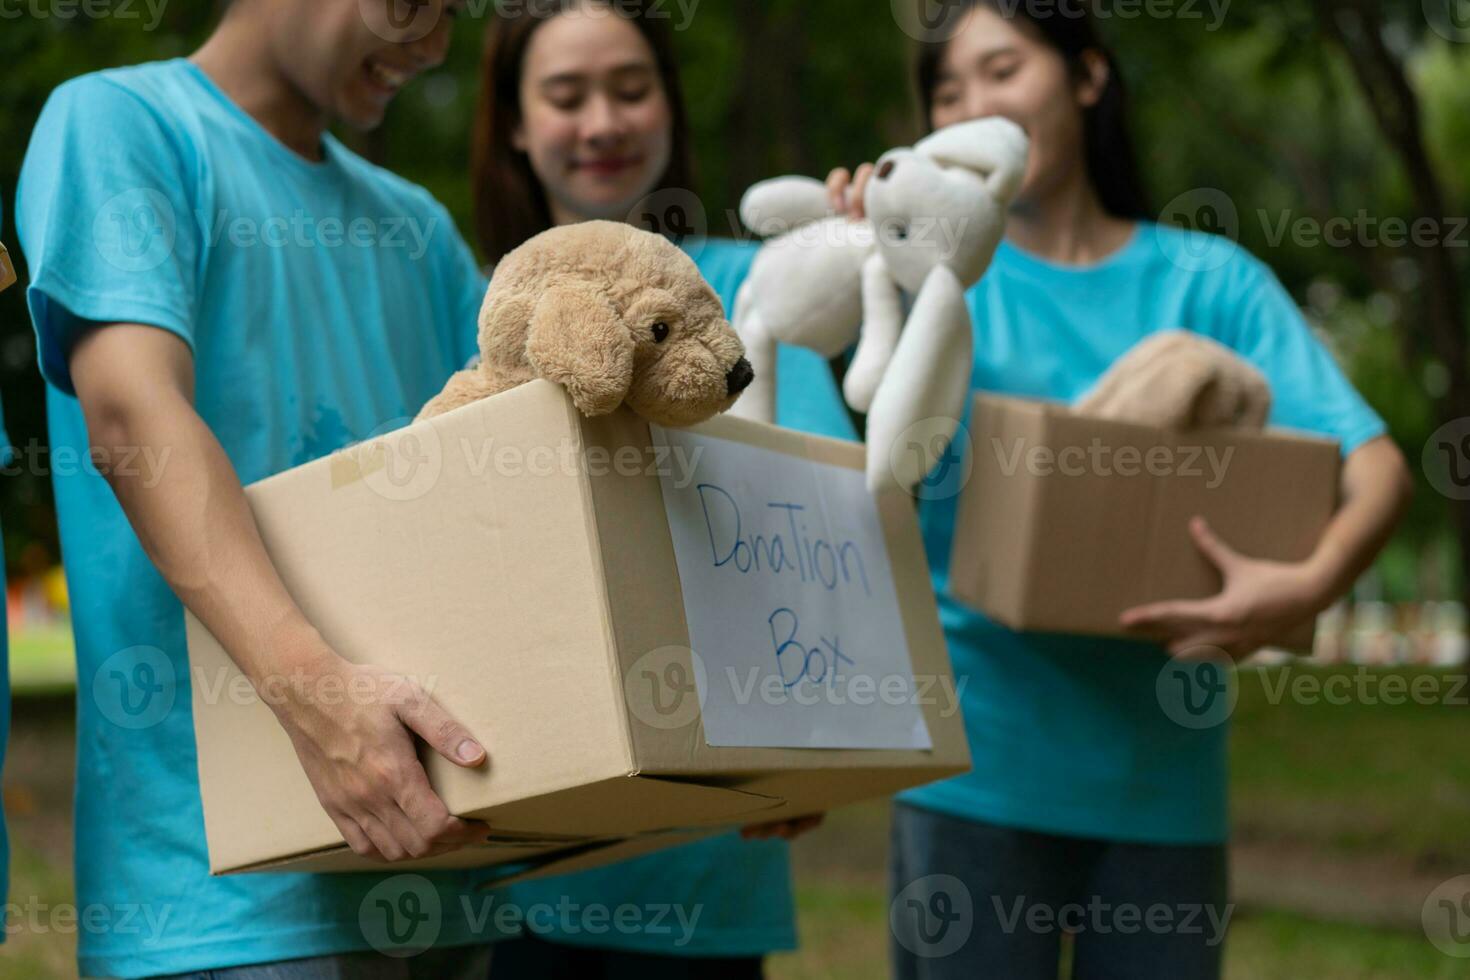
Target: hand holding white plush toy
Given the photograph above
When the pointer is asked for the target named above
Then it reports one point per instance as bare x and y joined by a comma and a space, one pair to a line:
934, 216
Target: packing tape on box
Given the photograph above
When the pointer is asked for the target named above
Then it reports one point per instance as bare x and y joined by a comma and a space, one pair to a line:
357, 463
7, 270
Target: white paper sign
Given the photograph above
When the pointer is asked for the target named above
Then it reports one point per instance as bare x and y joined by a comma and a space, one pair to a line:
792, 612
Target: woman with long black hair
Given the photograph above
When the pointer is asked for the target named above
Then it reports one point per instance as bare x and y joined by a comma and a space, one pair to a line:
1090, 810
582, 117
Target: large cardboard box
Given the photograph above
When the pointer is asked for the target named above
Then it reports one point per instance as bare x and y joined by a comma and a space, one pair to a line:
654, 633
1066, 521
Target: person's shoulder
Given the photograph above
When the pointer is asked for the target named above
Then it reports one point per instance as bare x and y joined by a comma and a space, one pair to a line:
1212, 257
140, 112
155, 86
1224, 288
147, 108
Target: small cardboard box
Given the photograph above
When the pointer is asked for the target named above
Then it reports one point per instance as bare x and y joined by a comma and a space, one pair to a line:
1066, 521
545, 576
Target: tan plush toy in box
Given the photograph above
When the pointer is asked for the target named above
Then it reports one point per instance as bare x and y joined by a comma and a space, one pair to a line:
1180, 380
615, 315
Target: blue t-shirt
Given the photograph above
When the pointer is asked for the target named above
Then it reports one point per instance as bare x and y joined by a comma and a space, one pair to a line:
732, 897
323, 302
1066, 732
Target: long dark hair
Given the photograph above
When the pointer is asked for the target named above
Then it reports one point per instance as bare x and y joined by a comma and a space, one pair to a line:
510, 203
1069, 28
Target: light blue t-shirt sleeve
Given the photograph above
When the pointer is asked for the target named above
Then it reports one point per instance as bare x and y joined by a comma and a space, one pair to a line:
724, 263
105, 211
1258, 318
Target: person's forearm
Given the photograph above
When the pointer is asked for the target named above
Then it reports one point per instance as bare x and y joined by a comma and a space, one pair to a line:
195, 524
1375, 490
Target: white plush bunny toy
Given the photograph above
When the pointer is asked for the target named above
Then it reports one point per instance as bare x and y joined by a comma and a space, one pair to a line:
935, 214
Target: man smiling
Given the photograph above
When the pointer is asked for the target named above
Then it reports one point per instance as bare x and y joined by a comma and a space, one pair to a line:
241, 356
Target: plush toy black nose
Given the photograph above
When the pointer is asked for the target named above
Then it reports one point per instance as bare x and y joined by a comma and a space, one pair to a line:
739, 377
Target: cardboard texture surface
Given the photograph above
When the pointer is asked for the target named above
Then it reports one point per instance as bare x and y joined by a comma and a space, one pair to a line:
1067, 521
515, 559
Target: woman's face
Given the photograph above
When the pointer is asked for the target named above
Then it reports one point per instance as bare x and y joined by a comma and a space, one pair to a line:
595, 120
993, 67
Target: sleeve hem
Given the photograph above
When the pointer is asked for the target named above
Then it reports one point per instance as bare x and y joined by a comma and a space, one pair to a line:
1356, 437
53, 346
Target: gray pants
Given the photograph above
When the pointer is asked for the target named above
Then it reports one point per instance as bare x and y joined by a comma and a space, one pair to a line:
972, 901
460, 963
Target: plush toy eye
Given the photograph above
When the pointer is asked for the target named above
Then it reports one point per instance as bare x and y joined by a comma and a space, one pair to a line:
901, 233
660, 332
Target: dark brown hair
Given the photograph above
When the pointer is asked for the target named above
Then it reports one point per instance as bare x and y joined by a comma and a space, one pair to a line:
510, 203
1068, 28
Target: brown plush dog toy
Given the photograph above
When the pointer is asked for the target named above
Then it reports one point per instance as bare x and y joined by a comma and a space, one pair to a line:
613, 314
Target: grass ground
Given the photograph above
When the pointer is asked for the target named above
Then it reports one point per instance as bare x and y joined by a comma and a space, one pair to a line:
1347, 814
839, 942
1359, 776
41, 661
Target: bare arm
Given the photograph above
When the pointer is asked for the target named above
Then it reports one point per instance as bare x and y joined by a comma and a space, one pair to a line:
1375, 492
1260, 599
136, 386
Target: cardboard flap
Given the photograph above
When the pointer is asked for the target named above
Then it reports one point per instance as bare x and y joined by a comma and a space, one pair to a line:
630, 805
596, 855
340, 859
533, 833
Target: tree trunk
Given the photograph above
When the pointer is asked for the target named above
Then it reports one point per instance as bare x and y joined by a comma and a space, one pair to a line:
1444, 332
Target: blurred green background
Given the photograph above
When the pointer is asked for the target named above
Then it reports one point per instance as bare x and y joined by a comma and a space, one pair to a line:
1347, 815
1270, 107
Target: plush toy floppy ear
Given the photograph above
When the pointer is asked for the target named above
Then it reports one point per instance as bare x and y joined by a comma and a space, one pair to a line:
579, 341
994, 147
774, 207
